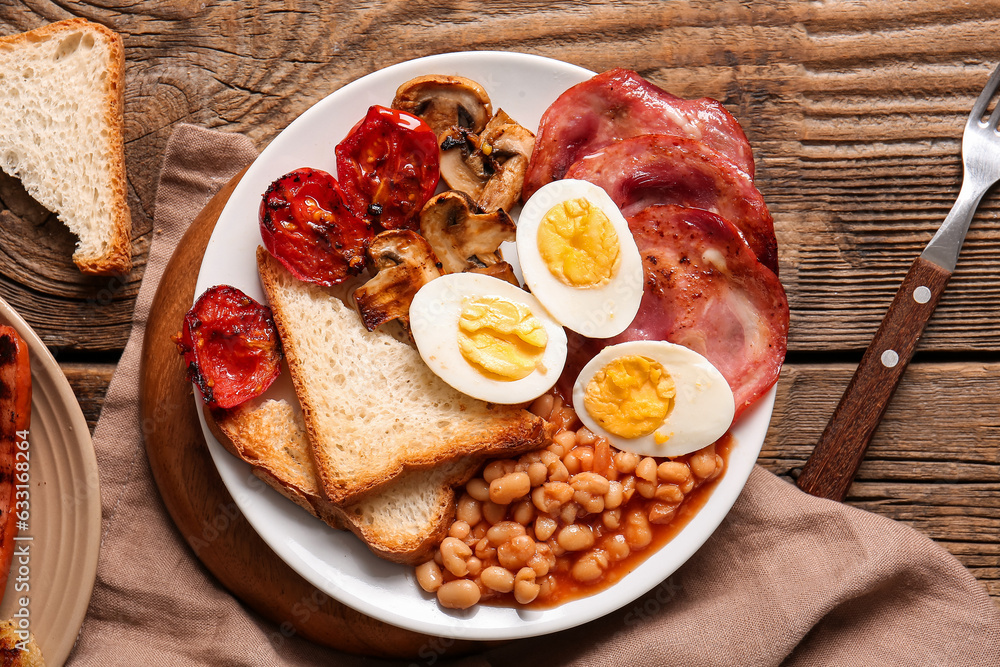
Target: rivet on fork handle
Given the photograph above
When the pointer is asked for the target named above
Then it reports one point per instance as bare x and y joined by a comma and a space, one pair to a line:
830, 470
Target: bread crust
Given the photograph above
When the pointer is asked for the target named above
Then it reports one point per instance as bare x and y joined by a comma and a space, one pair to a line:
273, 443
15, 652
498, 430
117, 259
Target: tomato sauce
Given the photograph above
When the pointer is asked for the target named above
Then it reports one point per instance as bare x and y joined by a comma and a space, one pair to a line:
566, 588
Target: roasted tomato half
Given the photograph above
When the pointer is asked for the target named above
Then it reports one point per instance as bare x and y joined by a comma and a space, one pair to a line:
307, 227
388, 166
230, 345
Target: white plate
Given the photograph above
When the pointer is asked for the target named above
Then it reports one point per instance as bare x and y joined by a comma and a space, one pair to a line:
336, 562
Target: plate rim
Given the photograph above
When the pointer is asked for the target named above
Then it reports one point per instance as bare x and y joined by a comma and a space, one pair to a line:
725, 494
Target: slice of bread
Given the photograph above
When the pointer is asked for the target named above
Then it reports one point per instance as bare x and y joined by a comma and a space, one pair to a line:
371, 406
18, 647
401, 522
61, 129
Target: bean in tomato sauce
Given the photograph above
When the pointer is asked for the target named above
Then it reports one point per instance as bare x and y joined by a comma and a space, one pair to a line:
569, 520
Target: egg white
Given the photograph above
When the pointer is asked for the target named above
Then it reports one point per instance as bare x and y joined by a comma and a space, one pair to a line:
434, 315
703, 407
595, 312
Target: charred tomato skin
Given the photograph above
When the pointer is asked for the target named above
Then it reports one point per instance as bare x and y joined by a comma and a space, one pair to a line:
389, 166
306, 226
230, 347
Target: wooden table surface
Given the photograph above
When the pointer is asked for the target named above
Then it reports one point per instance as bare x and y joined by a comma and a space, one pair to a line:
855, 112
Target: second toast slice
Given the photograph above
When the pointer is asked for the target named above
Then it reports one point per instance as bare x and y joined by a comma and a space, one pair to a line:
401, 522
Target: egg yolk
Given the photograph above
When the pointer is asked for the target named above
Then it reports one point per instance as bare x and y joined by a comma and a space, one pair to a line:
631, 396
503, 340
578, 244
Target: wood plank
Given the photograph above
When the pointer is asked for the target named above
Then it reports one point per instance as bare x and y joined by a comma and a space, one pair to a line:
90, 384
942, 422
38, 278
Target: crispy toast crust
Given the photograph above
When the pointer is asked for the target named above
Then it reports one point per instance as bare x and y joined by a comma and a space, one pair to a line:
276, 448
118, 258
16, 651
486, 429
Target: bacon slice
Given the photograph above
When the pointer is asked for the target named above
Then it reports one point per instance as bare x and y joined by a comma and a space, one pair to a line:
661, 169
704, 290
620, 104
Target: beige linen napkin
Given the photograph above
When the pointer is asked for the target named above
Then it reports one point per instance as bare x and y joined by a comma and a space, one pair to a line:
786, 579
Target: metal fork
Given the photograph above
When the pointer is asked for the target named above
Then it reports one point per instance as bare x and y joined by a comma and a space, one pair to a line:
838, 454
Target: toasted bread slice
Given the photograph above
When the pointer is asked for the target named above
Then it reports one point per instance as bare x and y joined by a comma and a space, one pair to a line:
61, 129
402, 522
18, 647
372, 408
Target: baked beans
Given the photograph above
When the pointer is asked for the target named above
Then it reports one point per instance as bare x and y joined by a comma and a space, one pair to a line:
575, 537
497, 578
429, 576
506, 489
459, 594
525, 588
454, 553
469, 509
563, 521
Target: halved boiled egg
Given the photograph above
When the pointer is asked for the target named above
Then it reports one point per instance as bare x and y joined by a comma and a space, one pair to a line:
654, 398
487, 338
578, 257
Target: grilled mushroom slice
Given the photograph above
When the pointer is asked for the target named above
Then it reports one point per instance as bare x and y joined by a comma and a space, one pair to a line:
445, 102
489, 167
404, 262
461, 235
501, 270
508, 146
463, 165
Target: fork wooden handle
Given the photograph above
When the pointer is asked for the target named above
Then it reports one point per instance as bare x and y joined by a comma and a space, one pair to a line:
831, 468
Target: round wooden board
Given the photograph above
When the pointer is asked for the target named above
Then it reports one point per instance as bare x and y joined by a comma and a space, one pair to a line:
198, 501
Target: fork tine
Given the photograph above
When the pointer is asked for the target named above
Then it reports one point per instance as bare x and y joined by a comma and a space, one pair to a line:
994, 117
984, 99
